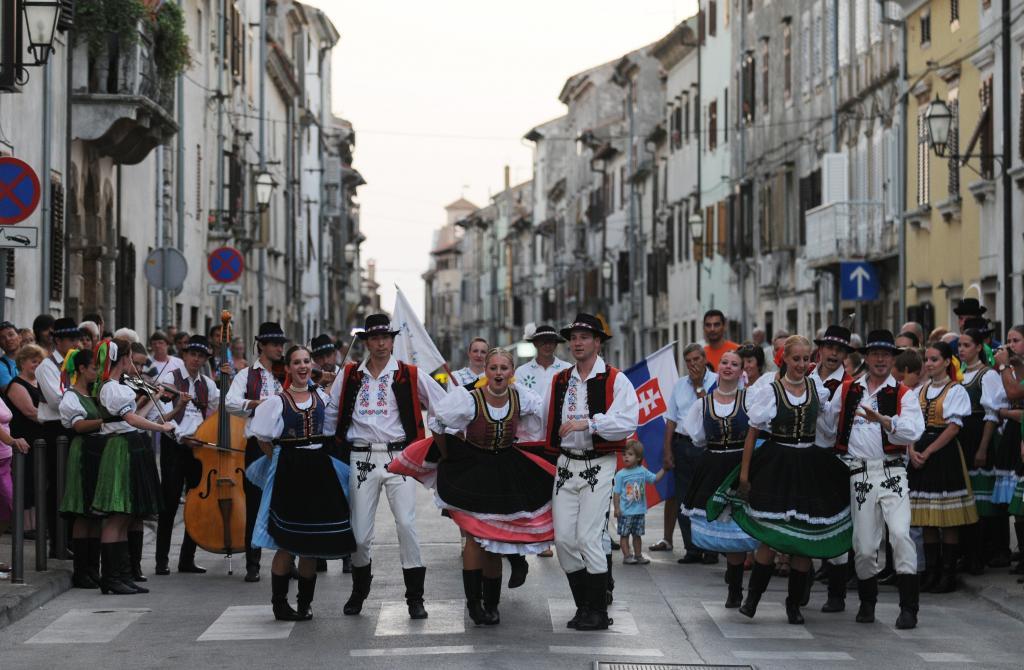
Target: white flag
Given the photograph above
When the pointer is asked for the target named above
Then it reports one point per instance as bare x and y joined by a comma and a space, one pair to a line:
412, 344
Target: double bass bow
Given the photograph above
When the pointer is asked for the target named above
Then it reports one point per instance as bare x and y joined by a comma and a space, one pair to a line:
215, 509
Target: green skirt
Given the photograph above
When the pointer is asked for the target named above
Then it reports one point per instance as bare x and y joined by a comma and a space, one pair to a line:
1017, 503
128, 482
83, 469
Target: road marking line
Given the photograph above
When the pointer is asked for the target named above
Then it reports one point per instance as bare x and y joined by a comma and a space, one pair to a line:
604, 651
770, 623
792, 655
427, 651
92, 626
944, 657
247, 622
446, 617
563, 609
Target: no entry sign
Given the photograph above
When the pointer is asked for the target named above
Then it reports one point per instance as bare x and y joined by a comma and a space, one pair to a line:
19, 191
225, 264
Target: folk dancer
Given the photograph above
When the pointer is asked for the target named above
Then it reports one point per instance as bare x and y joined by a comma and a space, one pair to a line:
197, 398
593, 409
249, 388
718, 424
498, 493
377, 405
325, 360
790, 494
66, 335
469, 375
878, 419
304, 486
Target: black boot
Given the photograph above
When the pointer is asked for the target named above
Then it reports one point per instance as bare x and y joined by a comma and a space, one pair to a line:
307, 587
596, 615
135, 552
519, 568
932, 567
836, 589
346, 565
970, 549
1018, 530
279, 598
947, 583
80, 578
414, 591
252, 564
909, 599
797, 585
808, 585
734, 578
760, 575
187, 557
110, 582
578, 586
361, 578
491, 590
867, 591
95, 556
321, 565
472, 585
124, 563
998, 533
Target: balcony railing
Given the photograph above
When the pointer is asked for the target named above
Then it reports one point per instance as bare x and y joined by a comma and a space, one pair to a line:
849, 230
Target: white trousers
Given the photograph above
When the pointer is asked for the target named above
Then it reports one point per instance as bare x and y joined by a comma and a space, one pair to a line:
880, 498
580, 508
367, 477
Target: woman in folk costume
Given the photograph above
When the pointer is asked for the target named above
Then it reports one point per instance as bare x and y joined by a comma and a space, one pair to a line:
80, 414
1008, 463
719, 423
498, 494
941, 499
978, 437
304, 508
127, 485
790, 494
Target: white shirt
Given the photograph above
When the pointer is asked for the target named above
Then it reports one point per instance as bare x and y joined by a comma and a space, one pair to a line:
761, 409
375, 418
617, 423
268, 422
457, 409
48, 377
119, 400
866, 436
465, 377
955, 406
537, 378
235, 401
160, 368
684, 396
825, 437
192, 418
993, 395
71, 410
693, 422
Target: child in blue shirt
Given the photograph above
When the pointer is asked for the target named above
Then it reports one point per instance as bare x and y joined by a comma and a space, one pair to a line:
630, 495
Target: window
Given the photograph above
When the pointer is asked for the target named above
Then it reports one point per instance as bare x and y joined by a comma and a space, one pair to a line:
953, 185
787, 59
764, 73
701, 26
236, 46
987, 129
954, 12
722, 246
200, 37
926, 29
749, 99
750, 5
677, 118
686, 119
725, 116
56, 240
622, 186
923, 191
712, 17
696, 114
713, 125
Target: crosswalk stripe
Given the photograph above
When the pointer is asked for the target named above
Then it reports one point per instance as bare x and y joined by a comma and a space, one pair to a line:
427, 651
84, 626
605, 651
247, 622
944, 657
792, 655
446, 617
563, 609
770, 623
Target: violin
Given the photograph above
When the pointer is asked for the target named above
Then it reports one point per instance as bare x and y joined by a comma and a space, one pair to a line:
215, 509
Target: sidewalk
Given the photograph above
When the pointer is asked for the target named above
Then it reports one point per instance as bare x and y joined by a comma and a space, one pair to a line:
19, 600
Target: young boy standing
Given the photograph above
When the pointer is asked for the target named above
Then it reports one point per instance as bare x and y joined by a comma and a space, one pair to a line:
630, 495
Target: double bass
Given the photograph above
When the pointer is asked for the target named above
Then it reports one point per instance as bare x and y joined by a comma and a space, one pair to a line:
215, 509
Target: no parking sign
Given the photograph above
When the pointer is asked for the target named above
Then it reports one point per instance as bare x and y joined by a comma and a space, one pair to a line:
19, 190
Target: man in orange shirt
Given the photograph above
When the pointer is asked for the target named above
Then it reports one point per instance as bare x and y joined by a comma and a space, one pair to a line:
715, 343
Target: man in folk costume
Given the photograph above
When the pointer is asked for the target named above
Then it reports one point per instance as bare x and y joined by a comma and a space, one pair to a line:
197, 399
878, 418
593, 408
249, 388
325, 360
833, 348
378, 404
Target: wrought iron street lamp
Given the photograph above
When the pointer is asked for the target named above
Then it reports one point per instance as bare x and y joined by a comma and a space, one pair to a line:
696, 222
350, 253
939, 119
40, 18
264, 188
606, 270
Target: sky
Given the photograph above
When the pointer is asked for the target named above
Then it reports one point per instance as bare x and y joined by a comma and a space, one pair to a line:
441, 93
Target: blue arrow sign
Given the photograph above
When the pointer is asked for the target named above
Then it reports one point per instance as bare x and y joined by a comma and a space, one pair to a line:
858, 281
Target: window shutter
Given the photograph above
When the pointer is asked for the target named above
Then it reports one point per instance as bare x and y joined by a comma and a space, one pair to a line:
56, 240
723, 240
10, 269
834, 175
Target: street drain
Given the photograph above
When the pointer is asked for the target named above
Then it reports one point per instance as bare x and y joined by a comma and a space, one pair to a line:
616, 665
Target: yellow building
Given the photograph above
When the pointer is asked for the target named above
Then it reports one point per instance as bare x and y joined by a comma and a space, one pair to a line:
945, 251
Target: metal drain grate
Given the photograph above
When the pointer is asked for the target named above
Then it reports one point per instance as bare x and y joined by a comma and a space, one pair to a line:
627, 665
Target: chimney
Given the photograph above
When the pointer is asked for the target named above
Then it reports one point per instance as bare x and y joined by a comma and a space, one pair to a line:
371, 270
508, 180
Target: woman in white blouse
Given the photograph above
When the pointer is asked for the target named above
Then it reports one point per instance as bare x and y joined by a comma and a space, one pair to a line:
941, 499
498, 494
127, 485
304, 509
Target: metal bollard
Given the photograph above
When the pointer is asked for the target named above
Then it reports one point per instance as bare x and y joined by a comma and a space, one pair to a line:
18, 519
60, 540
39, 453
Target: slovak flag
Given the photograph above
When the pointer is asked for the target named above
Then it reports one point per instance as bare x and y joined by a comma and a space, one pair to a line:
654, 378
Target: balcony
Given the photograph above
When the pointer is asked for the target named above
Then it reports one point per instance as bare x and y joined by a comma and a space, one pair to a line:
843, 231
121, 106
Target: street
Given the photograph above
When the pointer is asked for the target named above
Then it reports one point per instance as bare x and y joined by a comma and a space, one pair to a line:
663, 612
